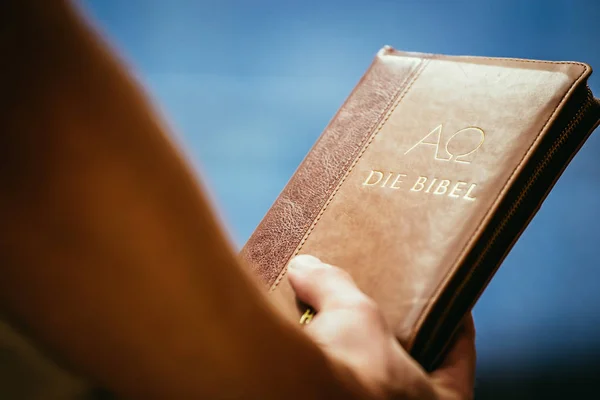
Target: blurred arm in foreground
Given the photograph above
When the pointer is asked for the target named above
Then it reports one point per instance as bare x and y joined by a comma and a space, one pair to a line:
111, 259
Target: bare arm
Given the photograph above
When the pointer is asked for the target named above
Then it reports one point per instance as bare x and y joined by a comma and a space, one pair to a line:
109, 253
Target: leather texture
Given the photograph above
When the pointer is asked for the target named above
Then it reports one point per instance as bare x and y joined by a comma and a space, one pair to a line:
276, 238
404, 184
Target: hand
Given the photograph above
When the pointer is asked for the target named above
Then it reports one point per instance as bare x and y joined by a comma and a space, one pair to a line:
351, 330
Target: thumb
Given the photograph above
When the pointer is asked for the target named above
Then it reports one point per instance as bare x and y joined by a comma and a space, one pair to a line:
321, 285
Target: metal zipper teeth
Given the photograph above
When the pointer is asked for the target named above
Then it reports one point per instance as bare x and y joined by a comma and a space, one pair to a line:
536, 174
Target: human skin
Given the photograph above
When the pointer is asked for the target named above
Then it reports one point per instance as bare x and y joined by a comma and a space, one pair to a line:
112, 260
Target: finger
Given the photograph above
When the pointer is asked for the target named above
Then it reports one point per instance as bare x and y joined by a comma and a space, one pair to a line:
321, 285
455, 377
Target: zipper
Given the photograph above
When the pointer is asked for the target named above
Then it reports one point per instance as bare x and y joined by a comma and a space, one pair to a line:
538, 171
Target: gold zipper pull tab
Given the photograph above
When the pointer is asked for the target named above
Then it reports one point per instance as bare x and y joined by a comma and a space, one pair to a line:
307, 316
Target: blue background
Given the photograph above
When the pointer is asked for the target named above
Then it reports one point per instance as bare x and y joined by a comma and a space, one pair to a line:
249, 85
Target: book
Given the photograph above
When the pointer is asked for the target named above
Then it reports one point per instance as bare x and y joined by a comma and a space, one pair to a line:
424, 180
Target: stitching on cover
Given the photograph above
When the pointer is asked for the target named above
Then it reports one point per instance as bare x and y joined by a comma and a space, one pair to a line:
474, 58
335, 181
461, 254
534, 61
337, 177
404, 91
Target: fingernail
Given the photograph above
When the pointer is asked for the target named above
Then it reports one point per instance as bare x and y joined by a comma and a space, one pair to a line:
305, 261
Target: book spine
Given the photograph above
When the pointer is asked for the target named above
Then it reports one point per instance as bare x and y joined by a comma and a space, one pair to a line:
273, 243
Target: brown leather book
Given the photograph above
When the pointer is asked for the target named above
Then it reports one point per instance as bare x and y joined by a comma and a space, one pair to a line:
424, 180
